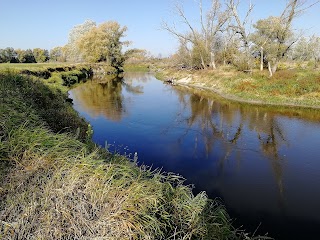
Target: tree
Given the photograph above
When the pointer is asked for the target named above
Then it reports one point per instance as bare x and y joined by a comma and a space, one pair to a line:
8, 55
274, 36
202, 39
40, 55
314, 46
136, 55
307, 49
103, 43
274, 39
183, 55
239, 27
26, 56
57, 54
300, 50
73, 53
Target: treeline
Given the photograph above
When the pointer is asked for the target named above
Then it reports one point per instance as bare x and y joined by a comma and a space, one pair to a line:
36, 55
87, 42
224, 34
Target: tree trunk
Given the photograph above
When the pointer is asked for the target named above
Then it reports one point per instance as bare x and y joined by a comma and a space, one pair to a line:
202, 62
261, 59
316, 62
213, 63
272, 69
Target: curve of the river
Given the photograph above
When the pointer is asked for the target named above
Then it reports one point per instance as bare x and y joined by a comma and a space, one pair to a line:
263, 162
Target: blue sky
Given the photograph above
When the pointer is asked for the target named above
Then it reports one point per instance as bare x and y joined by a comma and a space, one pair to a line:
46, 24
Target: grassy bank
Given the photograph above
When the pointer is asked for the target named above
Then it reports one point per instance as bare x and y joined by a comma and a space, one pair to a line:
141, 67
55, 184
291, 87
56, 74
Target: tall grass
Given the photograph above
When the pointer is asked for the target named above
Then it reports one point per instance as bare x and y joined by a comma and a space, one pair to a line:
57, 186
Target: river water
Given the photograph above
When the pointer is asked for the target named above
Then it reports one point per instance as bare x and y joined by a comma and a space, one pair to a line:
262, 162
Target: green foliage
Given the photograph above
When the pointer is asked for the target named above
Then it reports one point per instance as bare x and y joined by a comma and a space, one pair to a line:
7, 55
40, 55
273, 35
49, 104
26, 56
73, 53
103, 43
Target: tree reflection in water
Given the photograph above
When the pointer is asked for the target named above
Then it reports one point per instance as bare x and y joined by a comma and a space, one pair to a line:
222, 123
104, 97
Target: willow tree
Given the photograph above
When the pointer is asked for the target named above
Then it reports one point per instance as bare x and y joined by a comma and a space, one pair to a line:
103, 43
200, 35
72, 50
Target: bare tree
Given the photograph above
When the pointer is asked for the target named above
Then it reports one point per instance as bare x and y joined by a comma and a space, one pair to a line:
202, 38
240, 27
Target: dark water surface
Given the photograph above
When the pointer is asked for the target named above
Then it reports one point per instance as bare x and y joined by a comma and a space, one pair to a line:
263, 162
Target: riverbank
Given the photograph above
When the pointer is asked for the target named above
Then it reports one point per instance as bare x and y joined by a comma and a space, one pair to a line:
56, 184
291, 87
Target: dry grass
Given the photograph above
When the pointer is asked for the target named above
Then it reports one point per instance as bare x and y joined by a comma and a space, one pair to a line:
287, 87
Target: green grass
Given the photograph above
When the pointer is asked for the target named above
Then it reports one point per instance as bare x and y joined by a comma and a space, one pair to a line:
297, 87
18, 67
58, 75
32, 66
58, 185
136, 67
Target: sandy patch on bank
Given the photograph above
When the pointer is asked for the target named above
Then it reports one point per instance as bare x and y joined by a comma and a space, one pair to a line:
184, 80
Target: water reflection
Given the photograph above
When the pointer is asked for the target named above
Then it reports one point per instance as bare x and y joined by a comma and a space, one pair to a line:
239, 128
104, 97
262, 161
224, 122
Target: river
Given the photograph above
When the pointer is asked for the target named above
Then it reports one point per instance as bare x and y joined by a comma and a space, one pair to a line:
262, 162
